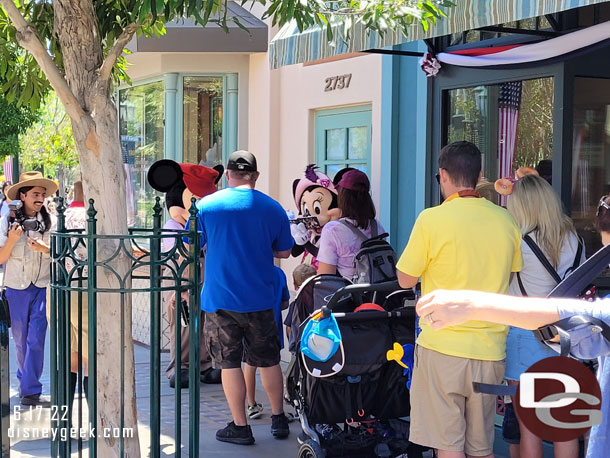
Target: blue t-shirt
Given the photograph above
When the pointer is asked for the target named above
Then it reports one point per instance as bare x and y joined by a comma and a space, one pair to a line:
283, 296
242, 228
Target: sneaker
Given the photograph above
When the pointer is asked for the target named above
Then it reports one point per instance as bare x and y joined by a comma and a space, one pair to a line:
255, 411
35, 400
241, 435
279, 426
184, 379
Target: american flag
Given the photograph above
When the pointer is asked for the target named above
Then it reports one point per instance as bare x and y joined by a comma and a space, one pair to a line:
509, 102
8, 169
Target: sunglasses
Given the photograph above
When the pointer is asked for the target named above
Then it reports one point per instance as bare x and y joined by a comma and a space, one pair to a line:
602, 205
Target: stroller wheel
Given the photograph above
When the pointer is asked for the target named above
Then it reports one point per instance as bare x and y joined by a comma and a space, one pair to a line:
310, 449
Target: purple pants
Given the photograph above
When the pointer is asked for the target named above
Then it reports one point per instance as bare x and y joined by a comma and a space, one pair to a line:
29, 326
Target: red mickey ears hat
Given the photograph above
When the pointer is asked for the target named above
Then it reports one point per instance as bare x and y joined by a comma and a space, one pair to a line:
200, 180
163, 175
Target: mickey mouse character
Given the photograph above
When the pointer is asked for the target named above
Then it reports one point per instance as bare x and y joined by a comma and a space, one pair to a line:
314, 195
181, 182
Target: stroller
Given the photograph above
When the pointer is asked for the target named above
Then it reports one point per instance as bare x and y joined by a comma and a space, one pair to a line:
368, 395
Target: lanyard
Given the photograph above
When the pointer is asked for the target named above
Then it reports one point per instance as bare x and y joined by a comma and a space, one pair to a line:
465, 193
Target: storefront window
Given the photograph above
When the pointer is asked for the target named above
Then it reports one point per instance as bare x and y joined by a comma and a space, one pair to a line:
202, 134
511, 123
141, 128
591, 154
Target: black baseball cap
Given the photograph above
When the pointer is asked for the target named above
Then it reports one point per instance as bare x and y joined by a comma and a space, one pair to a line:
242, 160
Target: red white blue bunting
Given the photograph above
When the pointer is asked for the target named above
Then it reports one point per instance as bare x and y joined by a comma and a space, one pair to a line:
519, 54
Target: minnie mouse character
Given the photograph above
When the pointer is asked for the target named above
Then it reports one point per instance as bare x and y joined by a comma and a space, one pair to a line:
314, 195
181, 182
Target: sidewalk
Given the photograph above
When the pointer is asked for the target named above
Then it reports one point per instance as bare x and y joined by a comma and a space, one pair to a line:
213, 408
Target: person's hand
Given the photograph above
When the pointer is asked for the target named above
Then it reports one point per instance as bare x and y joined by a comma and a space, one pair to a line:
15, 233
442, 308
37, 245
300, 234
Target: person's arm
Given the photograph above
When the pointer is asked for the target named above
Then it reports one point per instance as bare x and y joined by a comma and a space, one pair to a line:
406, 281
443, 308
14, 234
282, 254
324, 268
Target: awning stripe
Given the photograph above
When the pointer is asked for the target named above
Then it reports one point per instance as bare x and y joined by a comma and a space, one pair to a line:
291, 47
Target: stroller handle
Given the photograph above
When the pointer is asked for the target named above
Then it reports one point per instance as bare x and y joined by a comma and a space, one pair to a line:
357, 290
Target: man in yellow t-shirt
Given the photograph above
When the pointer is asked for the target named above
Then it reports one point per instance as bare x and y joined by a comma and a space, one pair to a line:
470, 243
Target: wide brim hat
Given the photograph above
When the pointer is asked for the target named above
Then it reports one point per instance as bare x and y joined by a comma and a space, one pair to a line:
33, 179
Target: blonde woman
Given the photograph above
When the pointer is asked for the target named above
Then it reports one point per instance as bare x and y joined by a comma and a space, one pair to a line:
538, 212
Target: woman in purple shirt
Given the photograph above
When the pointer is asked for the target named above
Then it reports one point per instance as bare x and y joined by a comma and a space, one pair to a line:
339, 243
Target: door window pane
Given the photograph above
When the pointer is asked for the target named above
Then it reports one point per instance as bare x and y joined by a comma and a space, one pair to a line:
141, 114
511, 123
202, 120
590, 155
335, 144
358, 143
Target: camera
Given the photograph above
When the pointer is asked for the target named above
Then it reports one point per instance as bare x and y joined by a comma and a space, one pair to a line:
27, 223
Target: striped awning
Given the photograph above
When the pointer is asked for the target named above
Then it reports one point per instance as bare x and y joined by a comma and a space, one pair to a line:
291, 47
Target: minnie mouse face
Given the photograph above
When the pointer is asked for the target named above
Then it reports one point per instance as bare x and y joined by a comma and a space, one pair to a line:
321, 203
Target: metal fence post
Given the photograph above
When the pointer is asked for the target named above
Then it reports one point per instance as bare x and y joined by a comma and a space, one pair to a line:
91, 237
155, 334
194, 331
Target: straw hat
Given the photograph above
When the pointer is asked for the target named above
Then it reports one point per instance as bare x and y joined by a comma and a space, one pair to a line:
32, 179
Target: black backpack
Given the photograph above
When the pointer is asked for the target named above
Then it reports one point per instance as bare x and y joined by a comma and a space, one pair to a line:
376, 260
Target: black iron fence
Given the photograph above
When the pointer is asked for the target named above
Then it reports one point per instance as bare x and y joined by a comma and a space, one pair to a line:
86, 269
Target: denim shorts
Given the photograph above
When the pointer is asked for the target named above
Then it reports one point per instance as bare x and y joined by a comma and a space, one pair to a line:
523, 350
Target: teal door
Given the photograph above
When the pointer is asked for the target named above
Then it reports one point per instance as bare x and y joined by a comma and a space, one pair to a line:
343, 139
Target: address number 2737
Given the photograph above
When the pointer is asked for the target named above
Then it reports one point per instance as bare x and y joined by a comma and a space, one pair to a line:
337, 82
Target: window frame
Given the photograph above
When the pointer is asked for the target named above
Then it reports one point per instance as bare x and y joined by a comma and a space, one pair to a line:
338, 118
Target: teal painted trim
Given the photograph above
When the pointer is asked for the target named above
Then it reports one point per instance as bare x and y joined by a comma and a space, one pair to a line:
342, 119
170, 81
230, 115
405, 101
388, 199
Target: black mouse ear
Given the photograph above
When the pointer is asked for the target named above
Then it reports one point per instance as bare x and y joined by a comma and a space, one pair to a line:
164, 174
220, 169
295, 183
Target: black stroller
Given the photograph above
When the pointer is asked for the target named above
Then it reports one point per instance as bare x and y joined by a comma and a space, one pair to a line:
368, 396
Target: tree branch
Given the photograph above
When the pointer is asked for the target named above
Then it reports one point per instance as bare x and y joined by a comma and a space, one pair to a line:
28, 39
117, 50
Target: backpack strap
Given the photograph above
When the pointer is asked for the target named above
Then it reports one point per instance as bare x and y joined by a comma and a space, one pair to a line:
576, 262
542, 258
374, 228
521, 287
357, 232
562, 328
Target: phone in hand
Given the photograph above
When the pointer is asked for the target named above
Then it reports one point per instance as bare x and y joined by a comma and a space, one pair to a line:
184, 313
310, 222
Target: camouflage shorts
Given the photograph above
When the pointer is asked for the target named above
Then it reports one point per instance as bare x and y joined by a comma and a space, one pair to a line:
232, 337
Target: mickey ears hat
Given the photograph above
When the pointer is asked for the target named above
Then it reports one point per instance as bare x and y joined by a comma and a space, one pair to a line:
163, 175
322, 347
504, 186
312, 178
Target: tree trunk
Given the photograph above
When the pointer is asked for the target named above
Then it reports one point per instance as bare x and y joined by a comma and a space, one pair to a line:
97, 141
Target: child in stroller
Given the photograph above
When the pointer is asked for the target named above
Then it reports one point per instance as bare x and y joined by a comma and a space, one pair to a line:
365, 393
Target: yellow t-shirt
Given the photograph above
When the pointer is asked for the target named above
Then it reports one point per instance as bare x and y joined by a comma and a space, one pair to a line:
465, 243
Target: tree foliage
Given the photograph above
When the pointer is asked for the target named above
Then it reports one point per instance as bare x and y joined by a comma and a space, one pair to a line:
14, 120
49, 141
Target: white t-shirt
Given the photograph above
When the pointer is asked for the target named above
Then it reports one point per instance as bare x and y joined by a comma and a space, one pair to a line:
536, 280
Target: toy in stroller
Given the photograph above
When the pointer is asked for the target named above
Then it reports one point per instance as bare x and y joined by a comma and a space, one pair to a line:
360, 386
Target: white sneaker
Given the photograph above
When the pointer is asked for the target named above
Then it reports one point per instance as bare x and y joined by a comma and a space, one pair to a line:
255, 411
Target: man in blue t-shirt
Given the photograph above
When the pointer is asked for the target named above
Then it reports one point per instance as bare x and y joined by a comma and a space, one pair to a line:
244, 230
